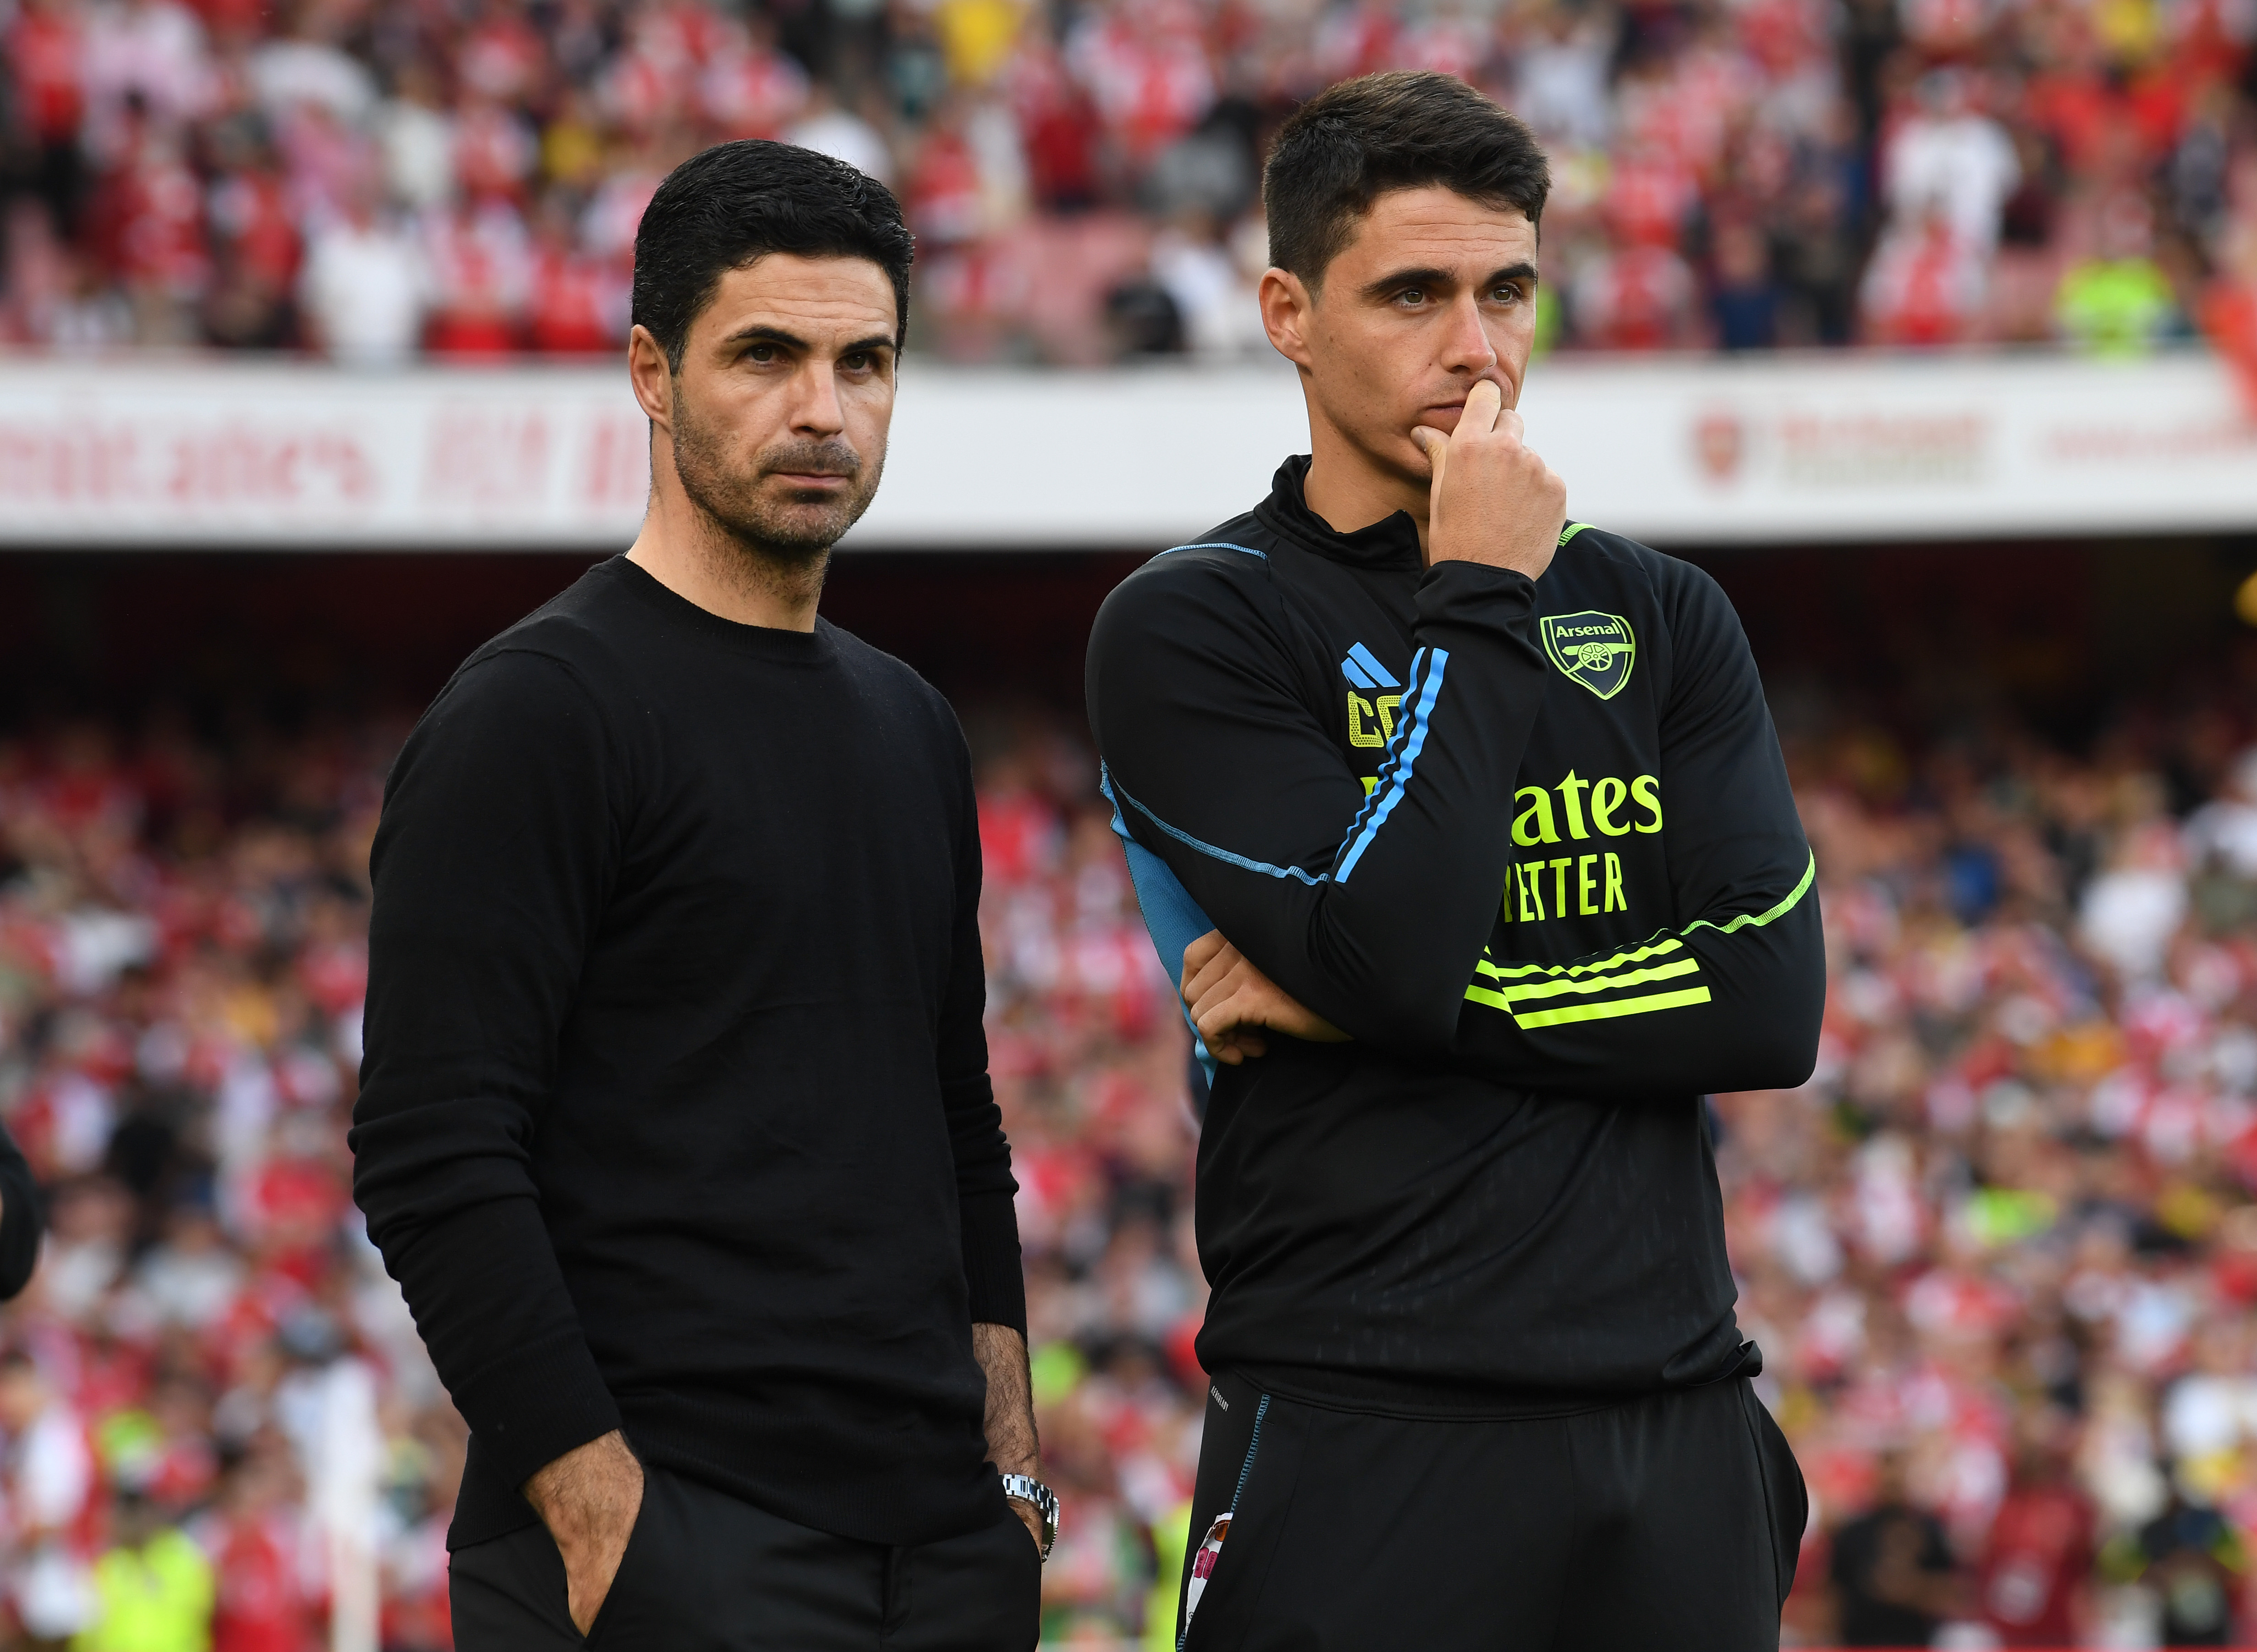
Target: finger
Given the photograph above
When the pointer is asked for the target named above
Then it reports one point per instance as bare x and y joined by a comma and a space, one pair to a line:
1432, 442
1213, 974
1483, 402
1241, 1040
1213, 1018
1196, 954
1224, 974
1219, 1014
1510, 423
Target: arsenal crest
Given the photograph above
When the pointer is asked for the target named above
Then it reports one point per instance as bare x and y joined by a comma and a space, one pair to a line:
1594, 649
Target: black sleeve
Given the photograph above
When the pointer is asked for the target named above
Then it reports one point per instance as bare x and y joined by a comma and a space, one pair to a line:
1730, 997
20, 1218
984, 1183
1242, 812
492, 861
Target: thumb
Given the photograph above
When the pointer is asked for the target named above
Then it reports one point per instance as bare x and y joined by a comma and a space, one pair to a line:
1436, 445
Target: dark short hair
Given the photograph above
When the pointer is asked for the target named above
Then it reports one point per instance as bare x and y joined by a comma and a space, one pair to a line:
1354, 142
722, 207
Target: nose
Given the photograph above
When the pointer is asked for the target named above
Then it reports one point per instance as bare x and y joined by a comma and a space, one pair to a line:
1466, 346
817, 411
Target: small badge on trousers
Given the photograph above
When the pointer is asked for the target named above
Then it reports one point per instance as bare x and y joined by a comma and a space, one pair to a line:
1203, 1565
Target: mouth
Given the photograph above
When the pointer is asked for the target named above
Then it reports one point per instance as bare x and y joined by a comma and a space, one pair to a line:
814, 481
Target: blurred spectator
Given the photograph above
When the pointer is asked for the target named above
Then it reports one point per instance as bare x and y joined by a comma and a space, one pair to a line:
2119, 302
826, 127
152, 1587
415, 141
255, 242
266, 1564
1743, 299
2193, 1558
577, 303
48, 1493
366, 289
1892, 1571
1946, 158
2036, 1567
1925, 285
480, 265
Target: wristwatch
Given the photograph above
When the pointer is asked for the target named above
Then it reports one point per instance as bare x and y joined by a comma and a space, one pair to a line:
1025, 1488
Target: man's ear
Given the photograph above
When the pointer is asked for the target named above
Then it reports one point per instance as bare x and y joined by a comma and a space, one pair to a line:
1286, 306
652, 378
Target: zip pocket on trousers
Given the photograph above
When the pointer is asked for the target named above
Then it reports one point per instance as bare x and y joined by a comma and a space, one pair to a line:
1210, 1549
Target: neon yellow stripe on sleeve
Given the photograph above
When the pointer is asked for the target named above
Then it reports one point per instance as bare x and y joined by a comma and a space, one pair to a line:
1605, 983
1517, 972
1614, 1007
1756, 920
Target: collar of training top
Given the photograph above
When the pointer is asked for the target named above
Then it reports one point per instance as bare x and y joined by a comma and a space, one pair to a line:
1391, 542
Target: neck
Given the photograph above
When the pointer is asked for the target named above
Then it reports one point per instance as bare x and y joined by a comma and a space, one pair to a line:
1349, 489
683, 548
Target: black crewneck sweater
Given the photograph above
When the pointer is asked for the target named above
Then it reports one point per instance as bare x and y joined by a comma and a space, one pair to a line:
674, 1114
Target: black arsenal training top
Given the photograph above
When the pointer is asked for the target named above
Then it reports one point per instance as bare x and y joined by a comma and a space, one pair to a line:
1530, 844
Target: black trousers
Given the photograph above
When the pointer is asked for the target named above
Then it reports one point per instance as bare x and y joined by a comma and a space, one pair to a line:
705, 1572
1667, 1522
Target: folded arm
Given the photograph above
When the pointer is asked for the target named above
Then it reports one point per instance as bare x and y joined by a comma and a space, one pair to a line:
1242, 813
1728, 996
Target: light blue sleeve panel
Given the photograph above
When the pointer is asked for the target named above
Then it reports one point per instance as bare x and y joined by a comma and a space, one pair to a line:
1171, 917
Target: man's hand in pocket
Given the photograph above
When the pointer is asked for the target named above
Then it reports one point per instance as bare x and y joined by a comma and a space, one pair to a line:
589, 1499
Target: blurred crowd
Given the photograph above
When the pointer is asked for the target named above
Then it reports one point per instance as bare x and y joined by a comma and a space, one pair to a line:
2000, 1251
465, 176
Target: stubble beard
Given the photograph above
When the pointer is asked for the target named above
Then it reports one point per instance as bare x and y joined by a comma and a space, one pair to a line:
779, 543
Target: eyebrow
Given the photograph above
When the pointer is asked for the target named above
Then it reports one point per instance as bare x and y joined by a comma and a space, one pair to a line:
1396, 280
759, 333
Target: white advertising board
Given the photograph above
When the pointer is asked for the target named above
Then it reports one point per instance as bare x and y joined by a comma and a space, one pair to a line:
1675, 451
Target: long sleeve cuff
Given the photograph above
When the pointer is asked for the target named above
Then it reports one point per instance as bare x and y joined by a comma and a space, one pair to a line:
536, 1403
991, 1260
492, 1308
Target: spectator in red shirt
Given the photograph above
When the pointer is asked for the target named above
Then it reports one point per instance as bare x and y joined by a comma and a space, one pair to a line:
578, 301
266, 1558
255, 242
2031, 1579
150, 213
481, 267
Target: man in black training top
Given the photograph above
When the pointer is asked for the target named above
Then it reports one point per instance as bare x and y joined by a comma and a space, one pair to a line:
1469, 824
675, 1127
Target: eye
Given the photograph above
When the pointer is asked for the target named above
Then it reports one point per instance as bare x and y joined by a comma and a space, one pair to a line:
1507, 294
761, 353
857, 361
1412, 297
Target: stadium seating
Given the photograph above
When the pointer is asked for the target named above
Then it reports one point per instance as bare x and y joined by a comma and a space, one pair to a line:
465, 179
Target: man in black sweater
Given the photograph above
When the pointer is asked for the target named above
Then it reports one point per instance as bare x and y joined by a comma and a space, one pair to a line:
1467, 823
674, 1125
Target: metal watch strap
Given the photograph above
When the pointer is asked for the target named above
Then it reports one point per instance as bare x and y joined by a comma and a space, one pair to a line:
1027, 1489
